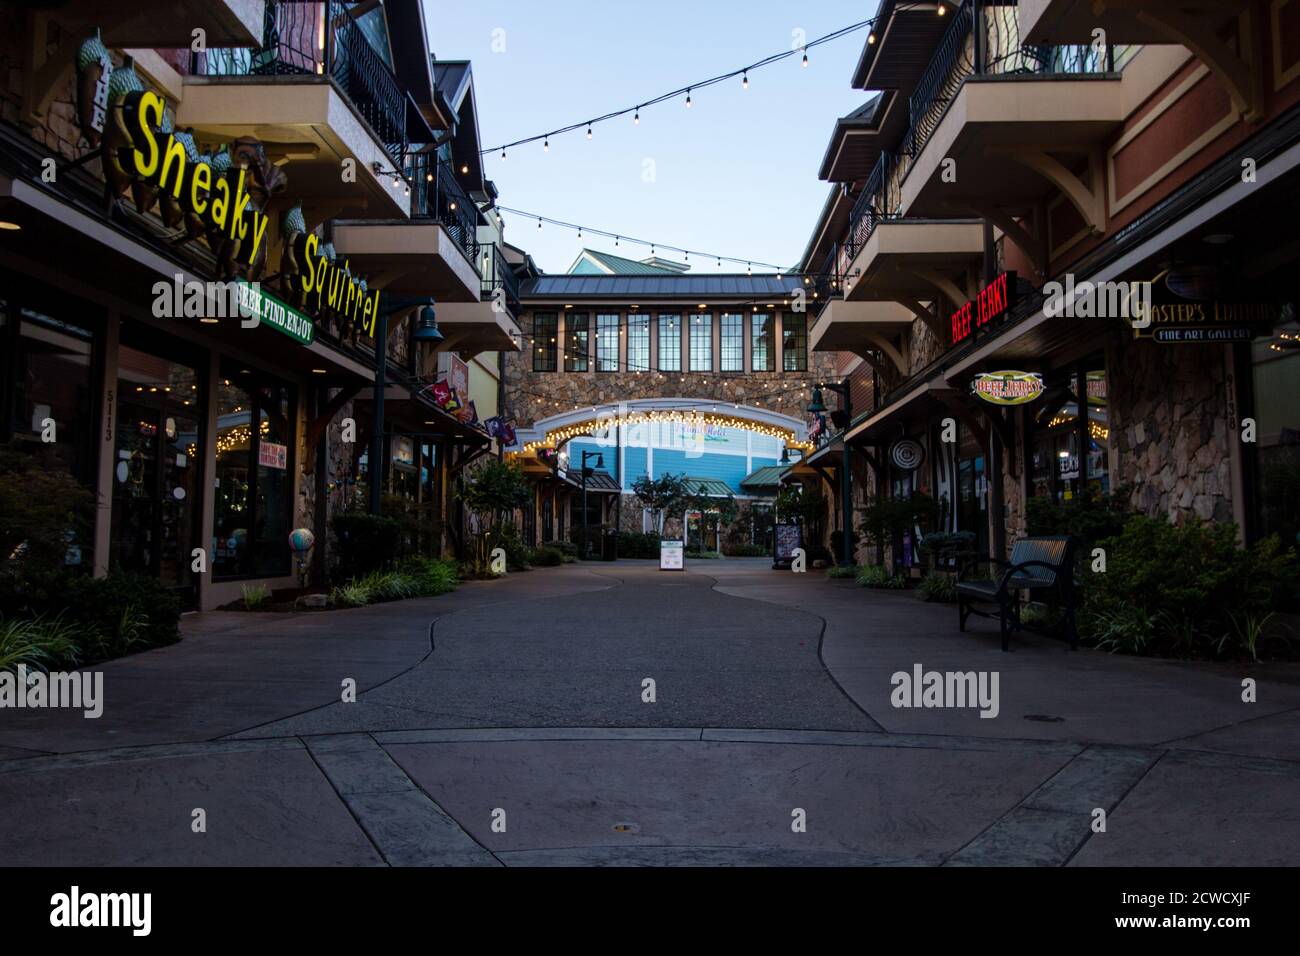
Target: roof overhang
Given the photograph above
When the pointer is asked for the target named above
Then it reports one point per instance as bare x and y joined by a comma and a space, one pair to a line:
164, 24
913, 258
906, 36
1057, 22
857, 327
477, 327
922, 401
410, 257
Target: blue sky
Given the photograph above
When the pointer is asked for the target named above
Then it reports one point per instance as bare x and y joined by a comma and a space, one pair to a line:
736, 174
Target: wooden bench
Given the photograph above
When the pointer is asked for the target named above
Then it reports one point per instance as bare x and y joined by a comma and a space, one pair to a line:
1036, 564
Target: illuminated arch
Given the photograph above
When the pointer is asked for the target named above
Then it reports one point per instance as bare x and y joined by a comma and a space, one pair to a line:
556, 430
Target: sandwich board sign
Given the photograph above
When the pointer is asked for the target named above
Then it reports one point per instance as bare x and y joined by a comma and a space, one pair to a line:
671, 555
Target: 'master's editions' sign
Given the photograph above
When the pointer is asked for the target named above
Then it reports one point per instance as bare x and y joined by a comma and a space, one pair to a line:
1008, 388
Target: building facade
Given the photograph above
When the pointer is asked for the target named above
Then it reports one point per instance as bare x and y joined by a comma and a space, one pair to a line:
221, 265
1097, 200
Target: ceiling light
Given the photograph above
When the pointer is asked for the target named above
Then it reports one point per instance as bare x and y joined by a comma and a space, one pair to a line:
11, 226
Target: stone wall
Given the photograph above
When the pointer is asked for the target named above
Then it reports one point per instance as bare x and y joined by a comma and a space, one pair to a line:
1169, 440
534, 395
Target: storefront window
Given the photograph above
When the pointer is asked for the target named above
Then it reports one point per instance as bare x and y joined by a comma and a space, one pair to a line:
972, 490
1276, 469
157, 473
47, 397
638, 343
575, 342
764, 339
733, 342
545, 325
253, 510
1055, 464
701, 342
1098, 432
607, 342
670, 343
794, 342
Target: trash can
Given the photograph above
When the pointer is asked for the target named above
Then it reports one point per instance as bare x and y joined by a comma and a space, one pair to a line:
609, 549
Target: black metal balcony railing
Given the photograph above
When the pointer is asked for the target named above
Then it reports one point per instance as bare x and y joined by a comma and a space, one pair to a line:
435, 194
984, 39
827, 281
497, 274
872, 206
321, 38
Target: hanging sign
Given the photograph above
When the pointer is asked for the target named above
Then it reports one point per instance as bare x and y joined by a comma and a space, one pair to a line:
271, 311
992, 302
1008, 388
1187, 308
906, 454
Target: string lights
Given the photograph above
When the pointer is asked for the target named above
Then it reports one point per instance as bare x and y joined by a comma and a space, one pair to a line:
694, 418
651, 244
742, 72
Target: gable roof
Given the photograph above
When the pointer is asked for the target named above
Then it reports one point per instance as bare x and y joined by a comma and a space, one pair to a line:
593, 262
769, 476
713, 487
660, 285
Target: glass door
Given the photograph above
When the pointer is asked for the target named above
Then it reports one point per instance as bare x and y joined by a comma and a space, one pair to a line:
157, 465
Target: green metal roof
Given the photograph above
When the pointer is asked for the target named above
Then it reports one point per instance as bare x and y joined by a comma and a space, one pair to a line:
713, 487
769, 476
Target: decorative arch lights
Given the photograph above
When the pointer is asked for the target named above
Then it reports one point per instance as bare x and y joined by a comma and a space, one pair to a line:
559, 436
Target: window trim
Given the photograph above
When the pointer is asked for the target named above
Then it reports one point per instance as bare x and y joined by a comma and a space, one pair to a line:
541, 352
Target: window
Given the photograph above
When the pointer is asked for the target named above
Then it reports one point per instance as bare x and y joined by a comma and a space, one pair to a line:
794, 343
1275, 456
733, 342
670, 343
575, 342
253, 507
545, 326
607, 343
638, 343
701, 342
763, 349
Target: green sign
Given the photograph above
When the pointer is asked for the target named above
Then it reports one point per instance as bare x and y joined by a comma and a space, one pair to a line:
271, 311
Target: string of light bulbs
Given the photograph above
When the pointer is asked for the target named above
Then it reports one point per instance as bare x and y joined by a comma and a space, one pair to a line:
742, 72
652, 245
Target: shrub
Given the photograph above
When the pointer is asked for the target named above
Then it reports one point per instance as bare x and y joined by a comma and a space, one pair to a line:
366, 542
546, 557
255, 595
842, 571
390, 585
837, 542
1183, 589
43, 510
873, 576
937, 586
943, 548
1089, 517
433, 576
517, 552
39, 644
122, 612
706, 555
633, 544
819, 552
351, 594
566, 548
746, 551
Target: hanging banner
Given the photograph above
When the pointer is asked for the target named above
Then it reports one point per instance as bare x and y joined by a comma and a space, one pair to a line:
1008, 388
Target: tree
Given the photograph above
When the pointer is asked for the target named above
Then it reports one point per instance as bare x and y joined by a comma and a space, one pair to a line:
806, 506
491, 493
715, 513
43, 510
664, 496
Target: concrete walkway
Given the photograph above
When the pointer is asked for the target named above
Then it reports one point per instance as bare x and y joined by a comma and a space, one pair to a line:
512, 723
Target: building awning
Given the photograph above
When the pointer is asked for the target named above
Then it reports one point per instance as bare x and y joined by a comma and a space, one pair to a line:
765, 479
927, 398
600, 482
709, 487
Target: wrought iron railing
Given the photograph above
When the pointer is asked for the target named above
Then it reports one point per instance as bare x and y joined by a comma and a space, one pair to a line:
436, 194
827, 282
872, 206
988, 47
321, 38
497, 274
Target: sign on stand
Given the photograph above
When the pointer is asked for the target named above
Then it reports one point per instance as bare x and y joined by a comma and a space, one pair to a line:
672, 555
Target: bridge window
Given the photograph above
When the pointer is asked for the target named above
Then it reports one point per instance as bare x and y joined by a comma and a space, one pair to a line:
545, 328
794, 342
701, 342
638, 343
575, 342
764, 357
670, 343
733, 342
607, 342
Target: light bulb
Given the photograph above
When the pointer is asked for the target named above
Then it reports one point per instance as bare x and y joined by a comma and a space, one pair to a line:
546, 145
636, 117
588, 131
503, 153
744, 81
871, 39
805, 60
688, 99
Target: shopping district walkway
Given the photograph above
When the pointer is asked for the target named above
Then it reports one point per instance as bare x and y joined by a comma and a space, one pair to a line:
508, 724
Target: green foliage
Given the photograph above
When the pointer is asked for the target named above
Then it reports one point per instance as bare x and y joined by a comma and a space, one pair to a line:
943, 547
40, 644
706, 555
366, 542
255, 595
566, 548
1184, 590
886, 519
746, 551
842, 571
1089, 517
517, 552
433, 576
879, 576
351, 594
546, 557
665, 496
492, 493
417, 576
634, 544
42, 509
805, 505
124, 612
937, 586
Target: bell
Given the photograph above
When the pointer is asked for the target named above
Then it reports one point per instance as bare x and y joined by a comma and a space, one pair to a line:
816, 406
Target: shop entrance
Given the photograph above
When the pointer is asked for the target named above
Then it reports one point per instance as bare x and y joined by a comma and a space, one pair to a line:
156, 471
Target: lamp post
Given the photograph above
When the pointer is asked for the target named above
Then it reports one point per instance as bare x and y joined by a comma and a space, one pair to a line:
600, 463
425, 331
816, 407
